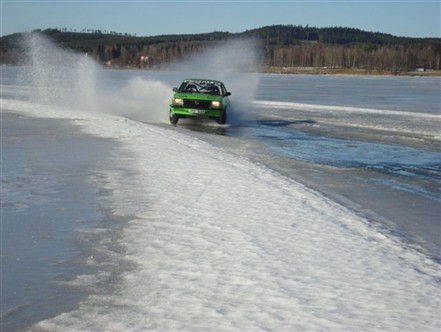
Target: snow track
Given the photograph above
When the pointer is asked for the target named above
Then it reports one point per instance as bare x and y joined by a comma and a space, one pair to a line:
220, 243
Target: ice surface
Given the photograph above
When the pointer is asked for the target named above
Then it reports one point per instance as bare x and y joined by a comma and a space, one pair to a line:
397, 93
392, 121
220, 243
47, 196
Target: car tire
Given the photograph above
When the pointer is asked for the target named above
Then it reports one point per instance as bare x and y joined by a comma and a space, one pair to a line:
223, 118
173, 118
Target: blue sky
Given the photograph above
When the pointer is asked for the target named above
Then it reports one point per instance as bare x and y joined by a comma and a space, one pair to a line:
148, 18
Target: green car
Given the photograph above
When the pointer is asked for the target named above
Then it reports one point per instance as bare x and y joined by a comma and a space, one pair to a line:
200, 98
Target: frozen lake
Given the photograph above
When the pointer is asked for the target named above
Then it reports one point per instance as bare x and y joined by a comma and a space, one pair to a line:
382, 162
316, 208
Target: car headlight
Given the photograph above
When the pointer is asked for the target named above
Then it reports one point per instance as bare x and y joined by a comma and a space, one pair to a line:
216, 104
178, 101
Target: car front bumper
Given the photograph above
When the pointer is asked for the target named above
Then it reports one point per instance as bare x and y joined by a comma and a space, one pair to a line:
190, 112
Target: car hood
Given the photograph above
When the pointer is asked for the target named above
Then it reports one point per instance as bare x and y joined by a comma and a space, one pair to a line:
197, 96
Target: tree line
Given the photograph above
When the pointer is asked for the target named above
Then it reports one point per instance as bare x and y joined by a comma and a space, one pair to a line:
96, 31
278, 45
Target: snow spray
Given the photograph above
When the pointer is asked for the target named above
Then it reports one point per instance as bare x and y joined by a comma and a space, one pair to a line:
55, 76
63, 78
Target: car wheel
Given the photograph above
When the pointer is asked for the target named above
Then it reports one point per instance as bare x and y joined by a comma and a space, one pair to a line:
223, 118
173, 118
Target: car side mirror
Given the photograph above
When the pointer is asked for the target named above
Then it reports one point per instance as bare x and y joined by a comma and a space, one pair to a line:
228, 94
175, 89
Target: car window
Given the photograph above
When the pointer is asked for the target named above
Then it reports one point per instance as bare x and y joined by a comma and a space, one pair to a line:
188, 87
203, 86
222, 90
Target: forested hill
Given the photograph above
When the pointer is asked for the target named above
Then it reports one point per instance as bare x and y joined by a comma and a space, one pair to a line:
283, 34
278, 46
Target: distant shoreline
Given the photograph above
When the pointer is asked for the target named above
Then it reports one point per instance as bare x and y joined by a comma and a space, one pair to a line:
320, 71
348, 72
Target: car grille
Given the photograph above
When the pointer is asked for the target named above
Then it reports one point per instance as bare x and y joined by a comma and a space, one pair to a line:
197, 104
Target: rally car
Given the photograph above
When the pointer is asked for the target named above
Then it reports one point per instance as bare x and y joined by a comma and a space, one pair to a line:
200, 98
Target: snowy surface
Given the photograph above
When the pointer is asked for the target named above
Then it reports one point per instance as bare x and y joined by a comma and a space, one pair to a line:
219, 243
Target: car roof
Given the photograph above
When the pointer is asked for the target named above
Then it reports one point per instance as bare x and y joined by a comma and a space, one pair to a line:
203, 80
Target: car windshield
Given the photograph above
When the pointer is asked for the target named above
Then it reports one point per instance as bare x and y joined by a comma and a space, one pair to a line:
201, 86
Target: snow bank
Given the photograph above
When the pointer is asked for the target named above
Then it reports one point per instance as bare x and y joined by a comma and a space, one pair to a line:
219, 243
